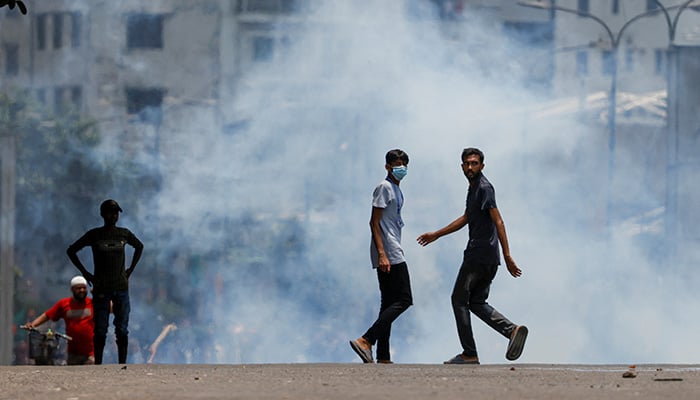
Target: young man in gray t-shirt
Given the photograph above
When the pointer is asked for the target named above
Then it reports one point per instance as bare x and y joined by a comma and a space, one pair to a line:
388, 259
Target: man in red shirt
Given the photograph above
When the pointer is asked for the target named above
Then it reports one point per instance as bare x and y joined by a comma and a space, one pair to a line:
77, 313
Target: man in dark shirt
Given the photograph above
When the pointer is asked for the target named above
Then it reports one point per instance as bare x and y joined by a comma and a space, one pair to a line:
109, 278
480, 263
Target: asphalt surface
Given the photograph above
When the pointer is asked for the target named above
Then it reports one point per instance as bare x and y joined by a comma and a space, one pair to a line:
349, 381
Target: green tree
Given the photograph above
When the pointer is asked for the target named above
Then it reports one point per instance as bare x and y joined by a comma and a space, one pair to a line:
56, 175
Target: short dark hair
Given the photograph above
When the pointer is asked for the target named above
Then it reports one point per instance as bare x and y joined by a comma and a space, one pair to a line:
396, 154
470, 151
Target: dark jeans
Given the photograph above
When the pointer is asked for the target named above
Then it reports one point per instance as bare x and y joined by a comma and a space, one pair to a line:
469, 294
120, 307
395, 288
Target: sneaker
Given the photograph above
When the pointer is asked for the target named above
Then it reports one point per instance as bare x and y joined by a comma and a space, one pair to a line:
384, 362
517, 343
364, 353
462, 359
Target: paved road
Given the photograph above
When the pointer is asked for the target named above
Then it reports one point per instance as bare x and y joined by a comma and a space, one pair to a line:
349, 381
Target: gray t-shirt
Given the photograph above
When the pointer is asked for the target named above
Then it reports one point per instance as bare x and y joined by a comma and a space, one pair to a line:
388, 196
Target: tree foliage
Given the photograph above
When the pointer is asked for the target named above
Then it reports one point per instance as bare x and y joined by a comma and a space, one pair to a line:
55, 176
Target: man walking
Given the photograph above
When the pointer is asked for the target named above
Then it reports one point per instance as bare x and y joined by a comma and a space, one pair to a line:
480, 263
77, 312
388, 258
109, 279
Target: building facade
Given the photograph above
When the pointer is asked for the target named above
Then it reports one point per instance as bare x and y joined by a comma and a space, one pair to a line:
584, 49
63, 52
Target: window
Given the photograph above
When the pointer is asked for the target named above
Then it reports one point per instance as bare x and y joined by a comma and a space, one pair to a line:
289, 6
659, 61
76, 27
263, 48
608, 62
76, 97
41, 31
537, 34
267, 6
144, 31
41, 96
57, 30
67, 98
615, 7
11, 59
146, 103
581, 63
583, 6
59, 104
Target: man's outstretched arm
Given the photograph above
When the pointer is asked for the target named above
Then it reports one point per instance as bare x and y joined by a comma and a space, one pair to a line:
453, 226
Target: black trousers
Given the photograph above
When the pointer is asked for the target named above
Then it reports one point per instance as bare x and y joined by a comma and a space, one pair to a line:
396, 297
469, 294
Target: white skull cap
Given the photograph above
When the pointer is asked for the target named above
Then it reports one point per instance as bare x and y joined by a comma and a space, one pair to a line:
78, 280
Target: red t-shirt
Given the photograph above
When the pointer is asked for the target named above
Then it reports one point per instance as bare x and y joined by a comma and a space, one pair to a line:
79, 323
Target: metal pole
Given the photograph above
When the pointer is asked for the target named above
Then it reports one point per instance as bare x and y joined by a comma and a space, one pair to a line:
7, 244
612, 112
671, 200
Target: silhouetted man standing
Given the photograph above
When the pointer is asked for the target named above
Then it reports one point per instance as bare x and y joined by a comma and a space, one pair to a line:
109, 278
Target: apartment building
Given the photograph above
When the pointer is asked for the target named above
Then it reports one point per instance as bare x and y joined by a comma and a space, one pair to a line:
63, 51
143, 68
63, 54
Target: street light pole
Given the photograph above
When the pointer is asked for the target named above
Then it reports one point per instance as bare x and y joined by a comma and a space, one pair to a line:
612, 100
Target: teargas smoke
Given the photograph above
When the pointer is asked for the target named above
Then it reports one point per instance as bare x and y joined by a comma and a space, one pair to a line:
261, 245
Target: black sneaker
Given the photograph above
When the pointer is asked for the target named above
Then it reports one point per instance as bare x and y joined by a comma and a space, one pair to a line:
517, 343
